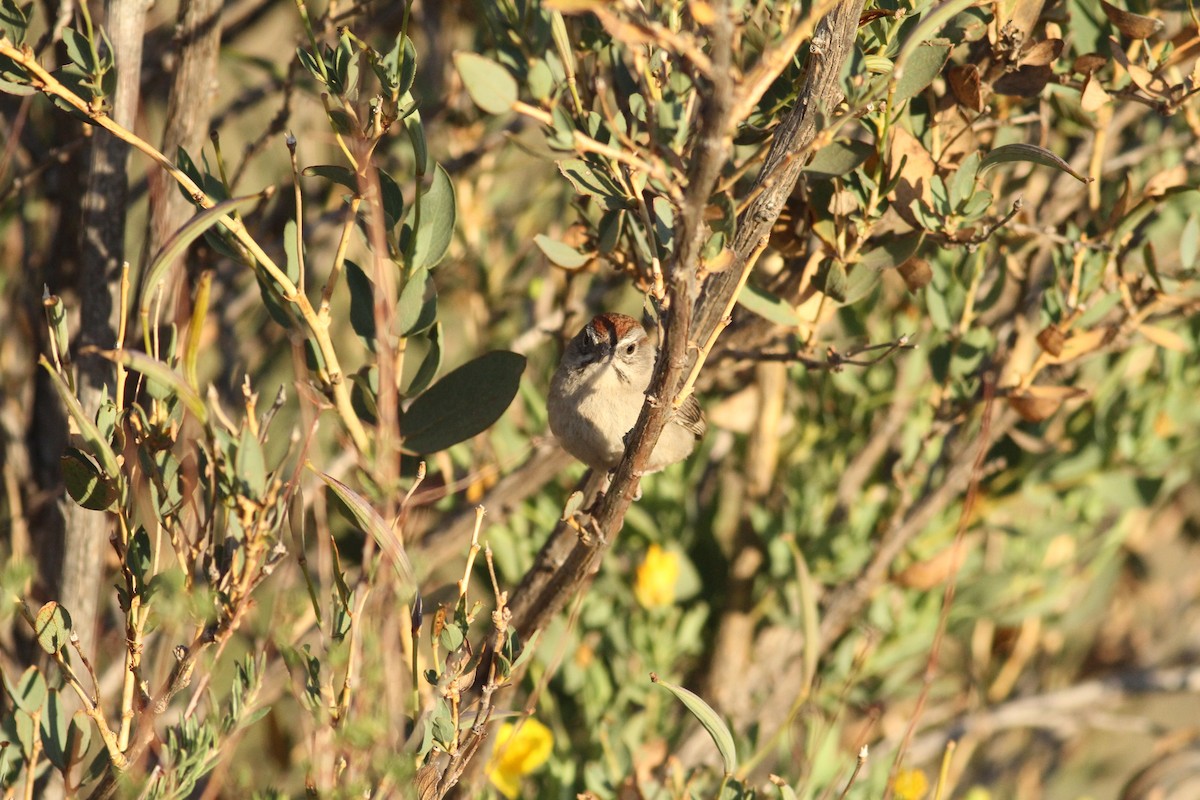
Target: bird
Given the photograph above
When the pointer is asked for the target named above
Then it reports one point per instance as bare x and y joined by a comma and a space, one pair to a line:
598, 390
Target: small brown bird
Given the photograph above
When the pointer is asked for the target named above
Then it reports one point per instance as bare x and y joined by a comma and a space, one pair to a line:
598, 391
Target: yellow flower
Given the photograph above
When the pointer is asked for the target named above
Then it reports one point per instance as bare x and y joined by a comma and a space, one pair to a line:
656, 578
910, 784
520, 749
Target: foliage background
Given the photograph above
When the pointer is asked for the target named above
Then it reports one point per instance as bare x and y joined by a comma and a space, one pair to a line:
1033, 445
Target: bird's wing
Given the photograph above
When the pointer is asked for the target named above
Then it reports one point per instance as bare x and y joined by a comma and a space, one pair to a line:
691, 416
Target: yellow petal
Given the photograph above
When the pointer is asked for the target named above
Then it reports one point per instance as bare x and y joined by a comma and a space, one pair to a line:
520, 749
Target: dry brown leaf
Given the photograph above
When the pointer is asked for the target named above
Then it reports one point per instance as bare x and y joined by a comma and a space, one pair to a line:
1042, 54
1187, 47
1166, 179
1094, 97
1083, 343
1088, 63
1135, 26
1025, 15
914, 175
934, 571
702, 12
1143, 78
843, 203
1037, 403
1051, 339
1026, 81
916, 273
958, 135
1164, 338
964, 82
1121, 206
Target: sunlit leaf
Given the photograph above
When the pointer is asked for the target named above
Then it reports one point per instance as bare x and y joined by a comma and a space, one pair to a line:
561, 253
434, 219
490, 85
52, 625
709, 718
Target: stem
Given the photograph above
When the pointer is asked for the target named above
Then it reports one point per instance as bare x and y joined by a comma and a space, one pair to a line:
317, 328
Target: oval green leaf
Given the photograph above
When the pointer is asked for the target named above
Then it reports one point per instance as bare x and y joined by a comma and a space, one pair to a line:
433, 217
709, 718
30, 691
52, 625
837, 159
463, 403
560, 253
768, 306
921, 68
85, 483
490, 85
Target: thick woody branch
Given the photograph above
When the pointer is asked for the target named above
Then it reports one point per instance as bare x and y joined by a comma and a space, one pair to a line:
567, 561
831, 45
556, 577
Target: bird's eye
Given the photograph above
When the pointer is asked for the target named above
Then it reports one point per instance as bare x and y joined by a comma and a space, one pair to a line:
629, 350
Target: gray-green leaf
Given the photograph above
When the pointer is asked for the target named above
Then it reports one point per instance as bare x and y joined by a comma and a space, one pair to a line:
489, 84
709, 718
1031, 153
560, 253
436, 223
463, 403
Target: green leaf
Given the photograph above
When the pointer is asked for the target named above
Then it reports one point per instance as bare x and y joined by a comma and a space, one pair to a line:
561, 253
79, 50
52, 625
30, 691
138, 558
87, 486
168, 378
392, 197
490, 85
962, 183
591, 182
291, 252
463, 403
430, 364
416, 309
371, 523
1027, 152
192, 230
362, 303
1189, 242
442, 723
892, 251
837, 159
416, 137
832, 280
251, 465
100, 447
26, 731
55, 731
79, 736
709, 719
435, 223
14, 21
330, 172
923, 65
768, 306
